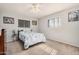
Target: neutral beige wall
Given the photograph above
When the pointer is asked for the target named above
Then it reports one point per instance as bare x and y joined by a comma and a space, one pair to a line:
68, 32
10, 27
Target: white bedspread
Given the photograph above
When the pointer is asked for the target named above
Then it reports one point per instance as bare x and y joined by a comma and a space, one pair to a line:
30, 38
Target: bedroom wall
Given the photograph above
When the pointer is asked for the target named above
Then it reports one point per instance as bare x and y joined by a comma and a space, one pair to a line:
68, 32
10, 27
0, 21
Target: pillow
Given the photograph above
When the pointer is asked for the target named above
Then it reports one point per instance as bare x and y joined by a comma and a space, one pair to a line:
27, 30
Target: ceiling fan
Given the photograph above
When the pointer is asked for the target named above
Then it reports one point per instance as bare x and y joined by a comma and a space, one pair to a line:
35, 8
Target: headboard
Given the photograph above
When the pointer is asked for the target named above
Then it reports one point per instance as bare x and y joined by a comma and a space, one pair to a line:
18, 33
23, 30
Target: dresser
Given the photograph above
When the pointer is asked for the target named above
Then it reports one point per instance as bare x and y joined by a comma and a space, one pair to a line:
2, 49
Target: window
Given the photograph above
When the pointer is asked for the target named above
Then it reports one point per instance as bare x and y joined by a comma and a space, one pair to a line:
54, 22
51, 23
23, 23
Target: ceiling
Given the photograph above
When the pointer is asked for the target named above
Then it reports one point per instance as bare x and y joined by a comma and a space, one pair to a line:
45, 8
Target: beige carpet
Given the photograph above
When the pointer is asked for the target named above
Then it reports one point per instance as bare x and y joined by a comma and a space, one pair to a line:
41, 49
48, 48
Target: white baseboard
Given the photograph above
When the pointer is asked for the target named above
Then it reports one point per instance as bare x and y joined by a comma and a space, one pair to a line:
66, 42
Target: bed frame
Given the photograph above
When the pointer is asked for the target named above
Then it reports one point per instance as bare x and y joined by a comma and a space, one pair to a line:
18, 34
23, 42
19, 38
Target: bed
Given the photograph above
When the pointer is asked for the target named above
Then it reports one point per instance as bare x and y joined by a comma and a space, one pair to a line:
30, 38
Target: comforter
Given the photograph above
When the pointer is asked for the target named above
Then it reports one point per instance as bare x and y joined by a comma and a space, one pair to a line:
30, 38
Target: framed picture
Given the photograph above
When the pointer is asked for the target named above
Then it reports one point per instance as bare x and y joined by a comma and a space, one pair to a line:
23, 23
34, 22
73, 16
8, 20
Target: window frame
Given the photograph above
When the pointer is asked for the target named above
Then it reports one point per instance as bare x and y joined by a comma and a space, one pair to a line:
55, 22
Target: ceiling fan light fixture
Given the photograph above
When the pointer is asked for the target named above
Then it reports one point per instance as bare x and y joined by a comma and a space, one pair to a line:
35, 8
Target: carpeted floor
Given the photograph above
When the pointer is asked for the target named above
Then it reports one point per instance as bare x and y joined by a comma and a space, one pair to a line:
49, 48
40, 49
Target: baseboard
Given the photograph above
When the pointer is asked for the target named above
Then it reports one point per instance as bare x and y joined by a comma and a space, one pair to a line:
64, 43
